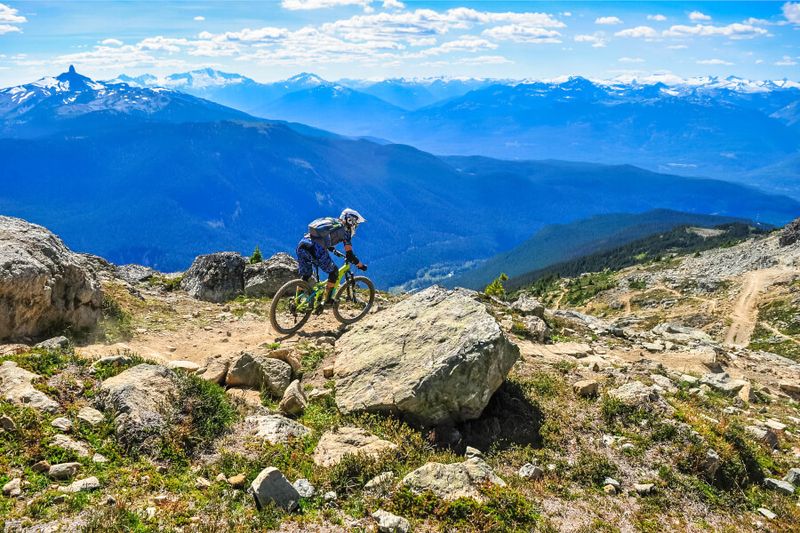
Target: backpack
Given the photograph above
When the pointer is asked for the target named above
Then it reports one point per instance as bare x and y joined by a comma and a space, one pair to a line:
321, 229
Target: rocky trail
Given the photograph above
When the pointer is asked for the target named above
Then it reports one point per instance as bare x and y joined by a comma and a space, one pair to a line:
444, 410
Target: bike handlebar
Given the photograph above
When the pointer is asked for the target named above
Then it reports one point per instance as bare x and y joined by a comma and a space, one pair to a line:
337, 253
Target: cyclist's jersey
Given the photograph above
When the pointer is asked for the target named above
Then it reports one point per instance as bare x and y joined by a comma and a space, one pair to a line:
336, 236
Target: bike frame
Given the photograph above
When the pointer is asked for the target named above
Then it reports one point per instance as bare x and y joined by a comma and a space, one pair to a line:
319, 288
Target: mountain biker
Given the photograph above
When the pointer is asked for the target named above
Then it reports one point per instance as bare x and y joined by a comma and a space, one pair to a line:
324, 234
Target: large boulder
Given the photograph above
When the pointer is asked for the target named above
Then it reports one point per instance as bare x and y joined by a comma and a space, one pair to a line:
42, 283
453, 481
142, 400
259, 372
265, 278
16, 386
790, 233
134, 274
436, 357
215, 277
335, 444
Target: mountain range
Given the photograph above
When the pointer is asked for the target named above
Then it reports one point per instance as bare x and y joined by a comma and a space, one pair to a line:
157, 176
730, 128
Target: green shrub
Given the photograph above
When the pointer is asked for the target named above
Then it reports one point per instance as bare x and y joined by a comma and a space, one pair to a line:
591, 469
496, 287
256, 257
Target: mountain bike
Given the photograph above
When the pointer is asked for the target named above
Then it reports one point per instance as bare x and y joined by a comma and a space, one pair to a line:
293, 304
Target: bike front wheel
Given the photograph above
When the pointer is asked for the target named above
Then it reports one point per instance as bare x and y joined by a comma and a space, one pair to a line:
291, 307
354, 300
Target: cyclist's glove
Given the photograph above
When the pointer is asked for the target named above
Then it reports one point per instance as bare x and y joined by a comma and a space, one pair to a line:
351, 257
361, 266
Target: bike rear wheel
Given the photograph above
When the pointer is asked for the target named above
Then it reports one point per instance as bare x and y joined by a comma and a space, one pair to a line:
354, 300
291, 307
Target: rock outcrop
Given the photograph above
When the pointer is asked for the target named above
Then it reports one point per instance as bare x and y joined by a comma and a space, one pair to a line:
265, 278
215, 277
42, 283
259, 372
334, 445
142, 400
436, 357
453, 481
790, 233
16, 387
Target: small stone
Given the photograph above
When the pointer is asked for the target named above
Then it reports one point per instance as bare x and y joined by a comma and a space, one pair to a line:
609, 489
63, 470
186, 366
56, 343
99, 458
380, 485
689, 380
202, 483
61, 423
628, 446
150, 512
643, 489
221, 478
66, 443
779, 485
585, 388
294, 401
766, 513
766, 436
271, 486
90, 415
613, 482
304, 488
238, 481
390, 523
471, 453
330, 496
13, 488
7, 423
530, 471
327, 372
82, 485
793, 476
775, 425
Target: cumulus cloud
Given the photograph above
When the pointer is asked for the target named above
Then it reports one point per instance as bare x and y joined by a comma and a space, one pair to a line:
199, 18
732, 31
639, 32
521, 33
714, 62
111, 42
607, 21
658, 17
295, 5
786, 61
630, 60
393, 4
9, 14
596, 39
791, 10
697, 16
8, 28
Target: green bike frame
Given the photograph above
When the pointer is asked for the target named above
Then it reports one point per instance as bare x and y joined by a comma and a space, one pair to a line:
303, 301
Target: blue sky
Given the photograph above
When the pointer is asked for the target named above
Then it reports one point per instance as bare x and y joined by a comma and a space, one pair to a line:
389, 38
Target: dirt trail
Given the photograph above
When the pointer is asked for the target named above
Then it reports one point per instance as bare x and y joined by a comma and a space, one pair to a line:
745, 312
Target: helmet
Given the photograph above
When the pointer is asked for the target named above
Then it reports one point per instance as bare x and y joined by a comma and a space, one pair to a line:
351, 218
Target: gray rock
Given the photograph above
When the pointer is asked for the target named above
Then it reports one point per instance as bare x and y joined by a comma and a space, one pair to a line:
530, 471
42, 283
634, 394
190, 367
270, 486
90, 415
16, 387
142, 401
330, 496
711, 462
13, 488
7, 423
56, 343
437, 357
643, 489
578, 350
304, 488
276, 429
99, 458
335, 444
215, 277
134, 274
380, 485
536, 328
528, 305
82, 485
65, 443
390, 523
471, 453
265, 278
613, 482
790, 233
766, 513
63, 470
215, 369
764, 435
793, 476
294, 400
681, 334
779, 485
62, 423
723, 383
453, 481
259, 372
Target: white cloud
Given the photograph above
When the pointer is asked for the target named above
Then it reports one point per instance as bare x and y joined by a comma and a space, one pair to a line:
658, 17
566, 14
466, 43
8, 28
112, 42
786, 61
697, 16
607, 21
597, 39
393, 4
759, 61
640, 32
791, 10
295, 5
630, 60
714, 62
9, 14
764, 22
732, 31
521, 33
199, 18
677, 47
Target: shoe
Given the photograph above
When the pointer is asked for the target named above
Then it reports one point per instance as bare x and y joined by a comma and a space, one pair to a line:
322, 306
